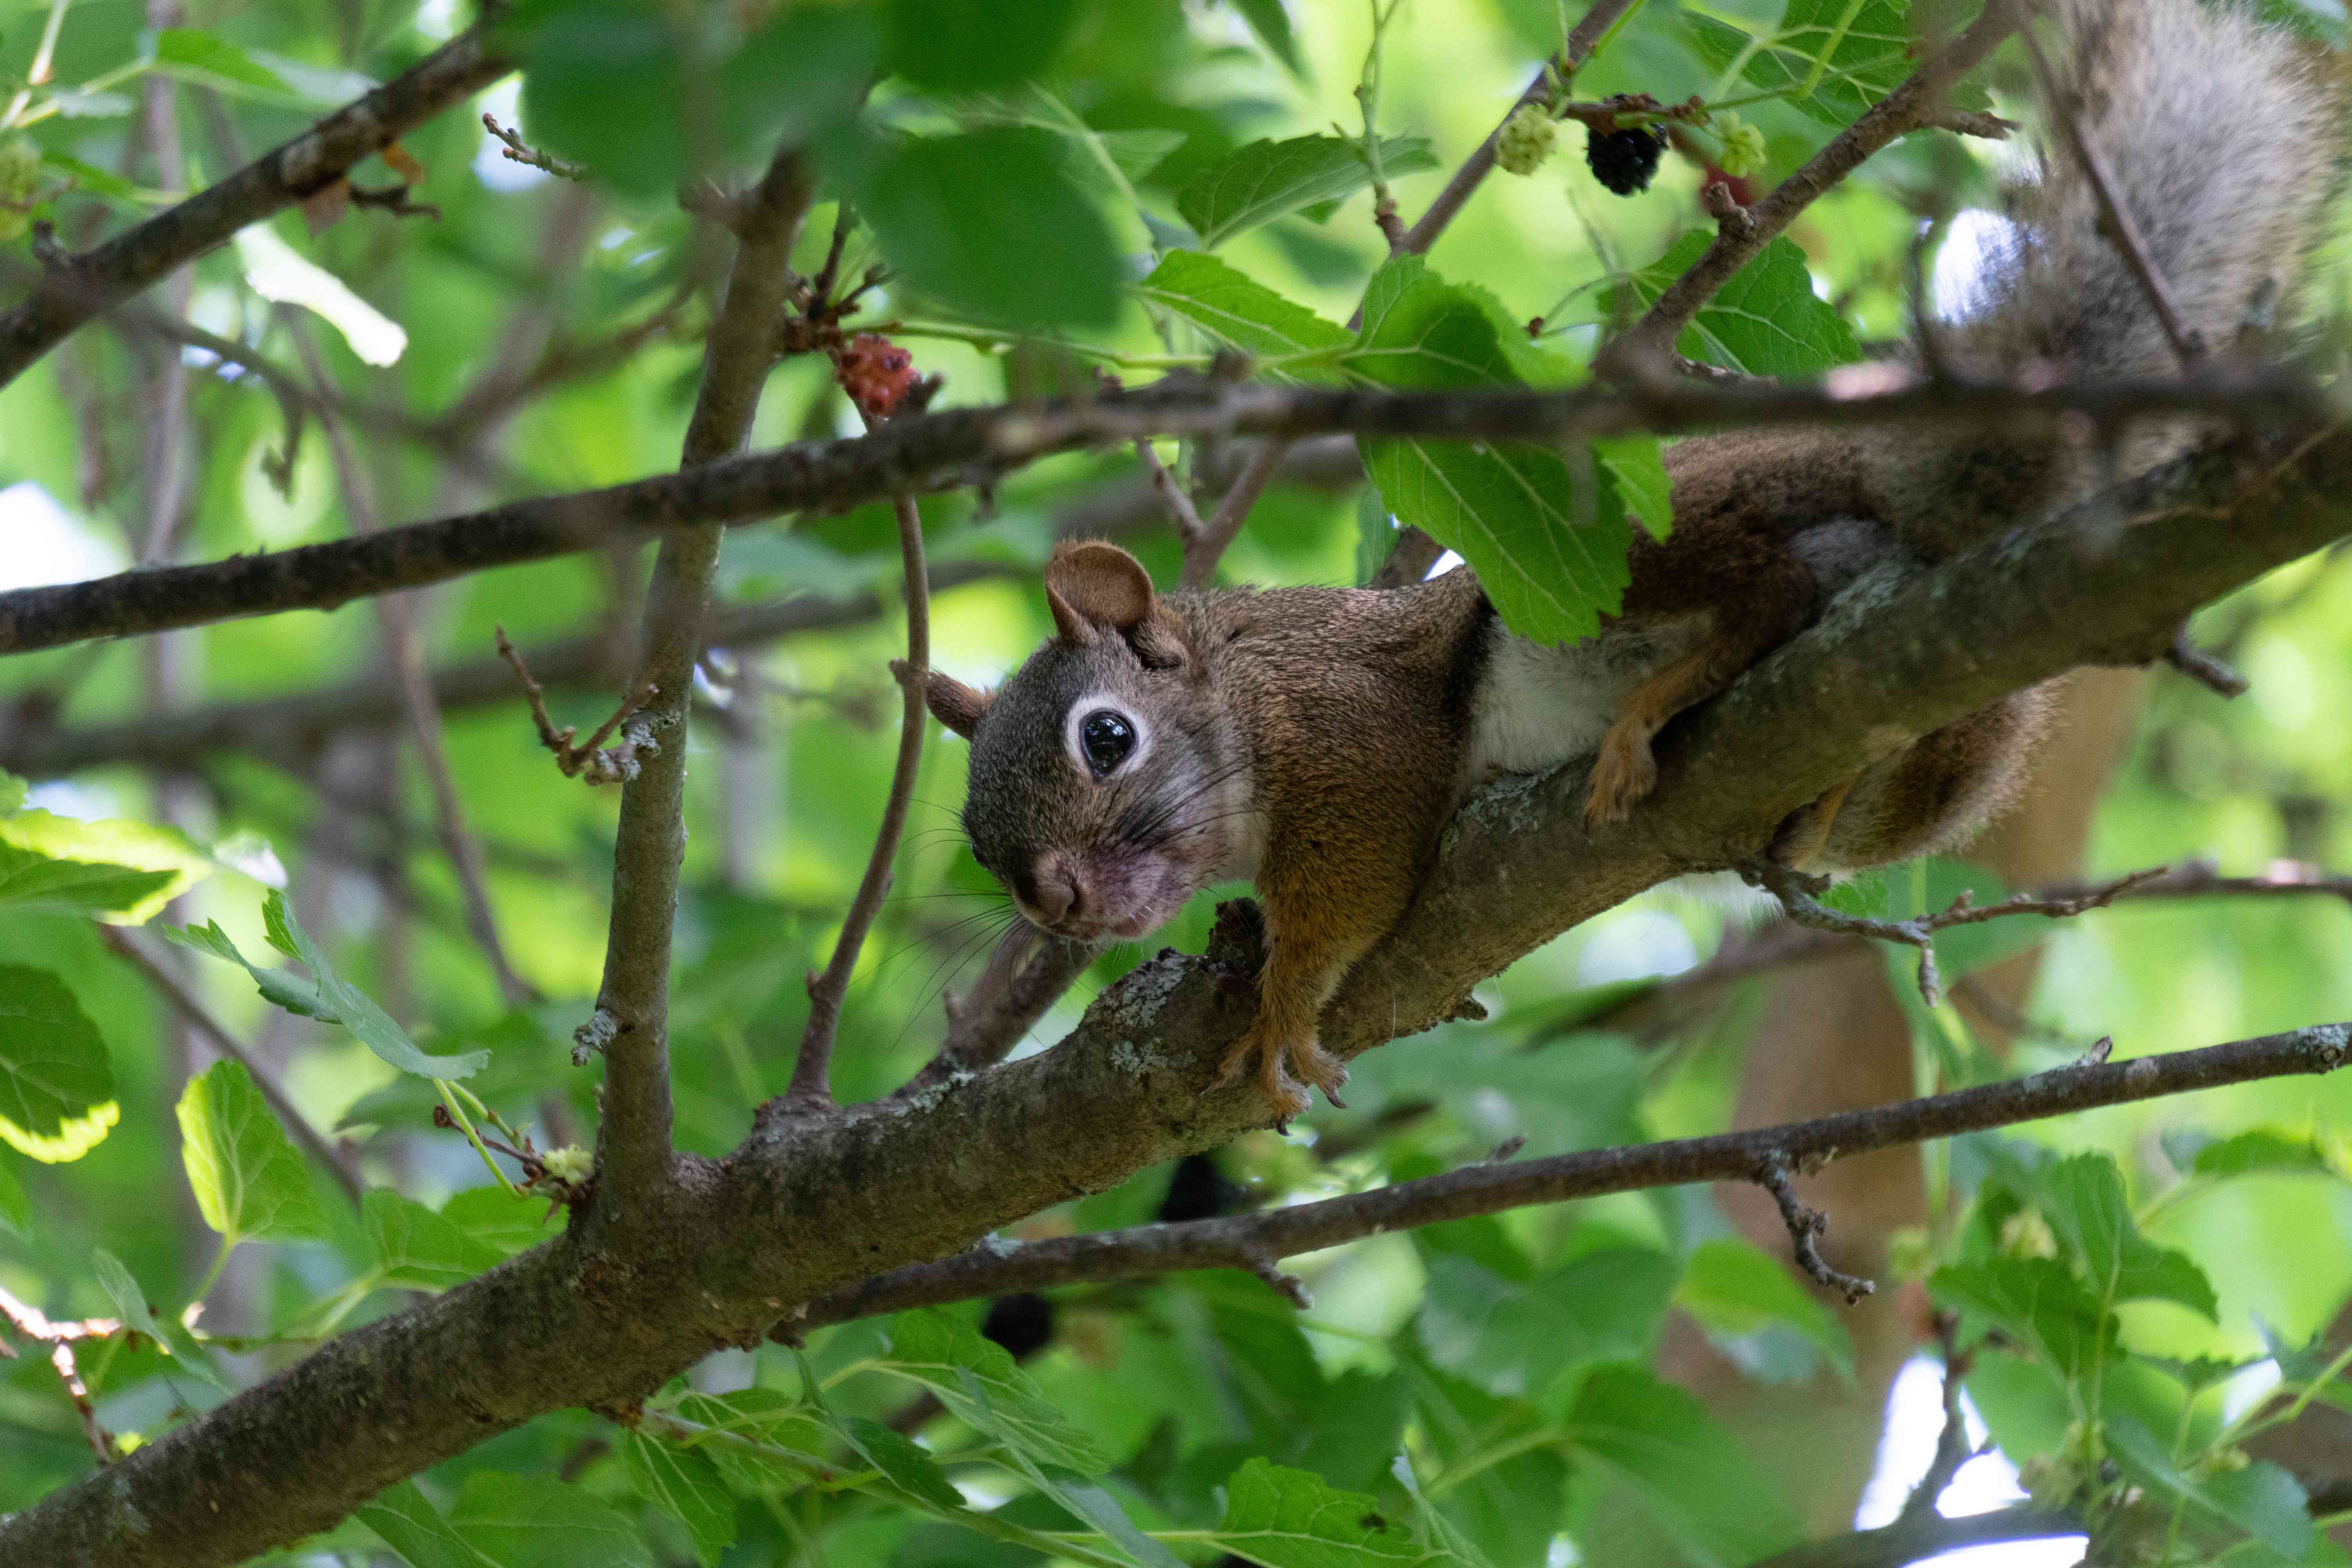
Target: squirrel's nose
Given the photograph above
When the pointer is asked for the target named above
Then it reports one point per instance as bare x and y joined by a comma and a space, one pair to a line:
1060, 894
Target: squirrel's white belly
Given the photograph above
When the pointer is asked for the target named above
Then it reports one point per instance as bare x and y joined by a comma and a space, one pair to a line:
1538, 706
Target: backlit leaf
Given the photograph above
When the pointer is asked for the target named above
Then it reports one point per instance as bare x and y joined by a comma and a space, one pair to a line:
56, 1084
249, 1179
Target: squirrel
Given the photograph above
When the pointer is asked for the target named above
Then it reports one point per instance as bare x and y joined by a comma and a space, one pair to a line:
1315, 740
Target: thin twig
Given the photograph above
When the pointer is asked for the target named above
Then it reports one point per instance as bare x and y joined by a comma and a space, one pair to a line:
1797, 893
812, 1088
1952, 1446
1202, 548
1806, 1228
404, 652
1180, 510
2205, 669
1147, 1251
59, 1336
2116, 222
522, 151
1582, 40
129, 945
600, 765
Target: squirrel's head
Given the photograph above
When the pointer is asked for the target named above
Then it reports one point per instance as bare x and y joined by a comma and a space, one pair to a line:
1108, 784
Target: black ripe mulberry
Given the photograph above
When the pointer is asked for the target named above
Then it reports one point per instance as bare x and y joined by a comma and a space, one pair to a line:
1625, 160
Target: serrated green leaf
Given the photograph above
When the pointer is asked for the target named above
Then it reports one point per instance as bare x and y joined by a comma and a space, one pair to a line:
131, 1301
905, 1462
537, 1521
56, 1083
215, 62
960, 217
1688, 1470
683, 1483
1246, 316
2037, 1302
499, 1218
406, 1522
1832, 59
1732, 1287
2082, 1198
2261, 1499
1636, 470
1264, 180
1767, 321
419, 1249
1513, 1337
794, 1445
33, 881
150, 865
249, 1183
951, 1357
1548, 545
16, 1208
1291, 1519
327, 994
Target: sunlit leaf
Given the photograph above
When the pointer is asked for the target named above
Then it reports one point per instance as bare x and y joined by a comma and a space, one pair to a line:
500, 1219
1767, 321
1264, 180
1246, 316
2083, 1199
2260, 1498
419, 1249
56, 1083
1270, 20
249, 1181
126, 872
2037, 1302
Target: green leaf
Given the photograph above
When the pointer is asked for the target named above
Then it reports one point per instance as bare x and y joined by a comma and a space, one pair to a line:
2261, 1499
1244, 315
33, 881
1636, 470
56, 1083
2083, 1199
977, 1381
131, 1301
1733, 1288
537, 1521
1852, 52
150, 865
906, 1463
602, 86
797, 78
98, 183
683, 1483
407, 1523
249, 1183
11, 788
1689, 1472
1767, 321
961, 219
1264, 180
419, 1249
1547, 545
1290, 1519
1518, 1338
765, 1417
1270, 20
327, 994
967, 46
16, 1208
2262, 1149
496, 1217
215, 62
2037, 1302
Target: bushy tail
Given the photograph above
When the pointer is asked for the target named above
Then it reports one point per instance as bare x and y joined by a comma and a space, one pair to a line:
2222, 137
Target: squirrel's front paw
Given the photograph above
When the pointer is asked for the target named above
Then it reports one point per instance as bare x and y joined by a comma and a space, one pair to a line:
1621, 774
1286, 1069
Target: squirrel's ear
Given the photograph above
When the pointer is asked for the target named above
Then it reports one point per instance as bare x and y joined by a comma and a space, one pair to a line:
952, 702
1093, 587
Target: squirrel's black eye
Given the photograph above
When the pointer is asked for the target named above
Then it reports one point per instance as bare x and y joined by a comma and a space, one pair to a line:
1106, 738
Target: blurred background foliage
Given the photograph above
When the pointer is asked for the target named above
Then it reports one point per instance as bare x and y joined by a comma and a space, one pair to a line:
541, 334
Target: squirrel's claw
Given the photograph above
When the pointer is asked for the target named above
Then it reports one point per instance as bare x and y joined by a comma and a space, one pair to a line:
1621, 774
1287, 1072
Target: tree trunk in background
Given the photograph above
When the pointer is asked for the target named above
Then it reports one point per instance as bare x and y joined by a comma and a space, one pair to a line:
1832, 1038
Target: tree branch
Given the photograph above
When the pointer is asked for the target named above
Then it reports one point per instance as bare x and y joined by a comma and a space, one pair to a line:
1914, 1541
631, 1020
82, 285
1237, 1240
1918, 104
1203, 549
801, 1216
974, 445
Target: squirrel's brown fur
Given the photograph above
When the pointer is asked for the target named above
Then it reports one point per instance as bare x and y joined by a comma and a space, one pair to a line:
1316, 738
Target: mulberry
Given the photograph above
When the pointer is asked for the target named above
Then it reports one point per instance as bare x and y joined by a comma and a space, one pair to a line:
876, 373
1525, 141
1623, 160
1743, 147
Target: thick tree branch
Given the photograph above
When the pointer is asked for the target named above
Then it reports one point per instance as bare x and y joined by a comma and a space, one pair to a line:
974, 445
1235, 1241
787, 1219
96, 280
1918, 104
631, 1021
